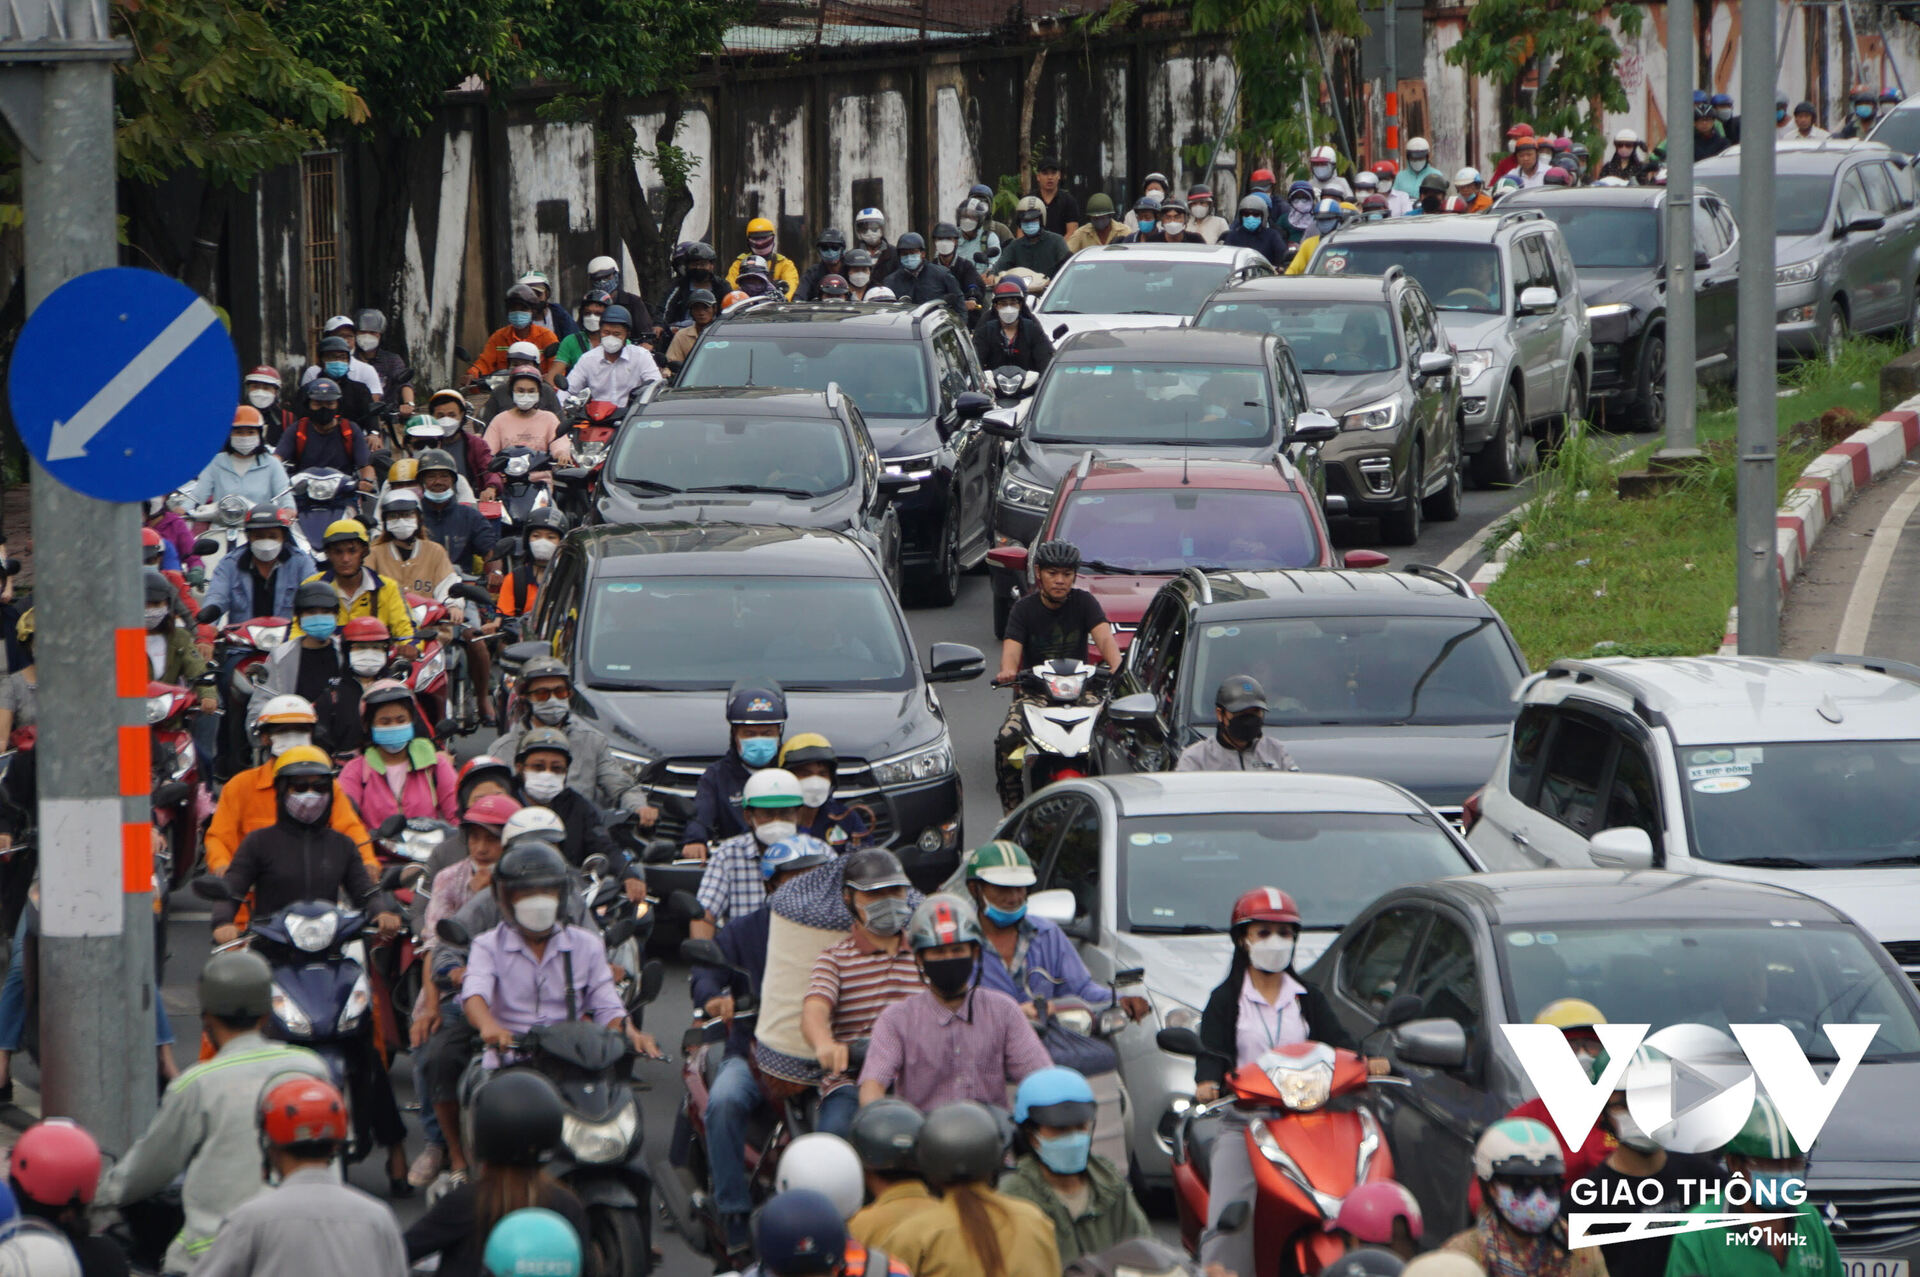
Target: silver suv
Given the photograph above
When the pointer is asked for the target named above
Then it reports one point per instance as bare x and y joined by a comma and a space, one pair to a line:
1509, 299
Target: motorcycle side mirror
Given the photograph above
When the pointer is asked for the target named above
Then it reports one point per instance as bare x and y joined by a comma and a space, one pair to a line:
683, 906
212, 887
702, 953
392, 826
1132, 975
460, 353
472, 593
653, 978
619, 933
11, 567
209, 614
172, 794
454, 932
445, 729
515, 655
506, 549
1179, 1042
1439, 1043
660, 851
1059, 332
597, 865
397, 876
205, 546
1403, 1007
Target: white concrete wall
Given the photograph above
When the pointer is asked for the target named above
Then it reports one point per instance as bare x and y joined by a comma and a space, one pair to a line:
1187, 101
955, 159
868, 134
773, 171
435, 260
695, 135
547, 162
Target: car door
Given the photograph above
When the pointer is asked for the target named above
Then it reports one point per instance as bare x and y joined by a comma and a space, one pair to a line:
1535, 339
1037, 826
1715, 289
1120, 744
1074, 863
1728, 341
1859, 255
1570, 787
1418, 337
1889, 250
1507, 819
972, 467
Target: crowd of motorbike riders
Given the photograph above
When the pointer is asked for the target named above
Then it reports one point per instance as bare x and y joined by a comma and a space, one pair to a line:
877, 1080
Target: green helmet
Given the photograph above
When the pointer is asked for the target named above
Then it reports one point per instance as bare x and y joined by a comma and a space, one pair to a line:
1002, 862
236, 985
1765, 1134
1518, 1146
532, 1241
943, 919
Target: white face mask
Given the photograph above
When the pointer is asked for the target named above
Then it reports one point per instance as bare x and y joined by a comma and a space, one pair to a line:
265, 549
869, 234
537, 913
1008, 314
366, 660
542, 548
244, 444
1201, 210
815, 790
859, 278
261, 399
403, 528
155, 615
590, 322
945, 247
279, 743
447, 424
543, 787
968, 225
526, 400
368, 342
1321, 172
612, 344
1271, 954
774, 831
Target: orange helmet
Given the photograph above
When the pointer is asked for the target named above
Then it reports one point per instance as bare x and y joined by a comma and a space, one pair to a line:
302, 1110
248, 415
726, 303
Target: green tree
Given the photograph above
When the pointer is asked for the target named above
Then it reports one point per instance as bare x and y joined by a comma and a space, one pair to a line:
1570, 47
1278, 60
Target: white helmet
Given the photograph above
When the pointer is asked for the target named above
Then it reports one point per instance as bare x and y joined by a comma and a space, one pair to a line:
1419, 144
286, 709
33, 1248
1467, 177
600, 265
870, 215
1323, 155
1365, 181
879, 293
1612, 181
1626, 137
532, 820
1517, 1146
771, 787
826, 1164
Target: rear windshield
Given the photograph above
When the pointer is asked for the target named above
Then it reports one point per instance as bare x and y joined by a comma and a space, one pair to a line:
1456, 276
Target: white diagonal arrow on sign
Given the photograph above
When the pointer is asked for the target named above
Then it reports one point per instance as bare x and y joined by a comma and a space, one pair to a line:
70, 438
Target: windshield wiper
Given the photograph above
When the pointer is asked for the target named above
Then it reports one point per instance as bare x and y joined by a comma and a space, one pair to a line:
648, 485
754, 487
1882, 860
1774, 862
1177, 929
1099, 565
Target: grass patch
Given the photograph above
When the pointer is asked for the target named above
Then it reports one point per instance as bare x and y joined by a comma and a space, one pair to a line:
1598, 576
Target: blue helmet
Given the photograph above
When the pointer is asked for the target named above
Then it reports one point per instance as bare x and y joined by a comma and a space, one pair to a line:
756, 701
1054, 1097
532, 1243
802, 851
800, 1231
1722, 99
617, 315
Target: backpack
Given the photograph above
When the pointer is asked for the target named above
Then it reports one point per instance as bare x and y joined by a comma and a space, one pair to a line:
349, 432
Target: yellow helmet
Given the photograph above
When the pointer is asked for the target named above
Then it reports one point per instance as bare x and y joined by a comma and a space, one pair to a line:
24, 630
807, 747
344, 530
405, 470
1570, 1013
303, 760
760, 226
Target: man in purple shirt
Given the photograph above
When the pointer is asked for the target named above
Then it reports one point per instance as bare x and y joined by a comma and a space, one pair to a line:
953, 1040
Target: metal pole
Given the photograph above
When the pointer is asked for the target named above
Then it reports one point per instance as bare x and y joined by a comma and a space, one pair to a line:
1759, 595
1393, 81
1679, 214
96, 936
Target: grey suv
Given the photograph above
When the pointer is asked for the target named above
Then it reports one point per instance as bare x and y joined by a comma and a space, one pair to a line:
1509, 298
1846, 240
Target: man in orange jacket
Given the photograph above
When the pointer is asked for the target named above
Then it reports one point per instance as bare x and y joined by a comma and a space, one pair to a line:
521, 305
247, 802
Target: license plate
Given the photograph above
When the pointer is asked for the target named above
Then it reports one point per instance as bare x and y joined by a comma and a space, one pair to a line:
1872, 1266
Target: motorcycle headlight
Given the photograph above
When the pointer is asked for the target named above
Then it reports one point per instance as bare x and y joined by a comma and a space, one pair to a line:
1798, 273
233, 510
1376, 416
1471, 363
1078, 1019
420, 844
182, 764
313, 934
268, 637
1018, 492
1067, 688
590, 454
357, 1003
157, 708
322, 489
431, 668
922, 764
289, 1013
517, 466
600, 1141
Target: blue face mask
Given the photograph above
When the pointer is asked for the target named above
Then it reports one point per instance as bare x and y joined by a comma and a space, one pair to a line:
1251, 222
393, 738
1029, 228
1864, 110
336, 367
1005, 917
1780, 115
438, 498
1065, 1154
519, 318
1771, 1187
829, 254
758, 751
320, 627
911, 261
1146, 224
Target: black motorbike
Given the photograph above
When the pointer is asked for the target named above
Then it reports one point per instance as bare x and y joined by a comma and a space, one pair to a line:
520, 493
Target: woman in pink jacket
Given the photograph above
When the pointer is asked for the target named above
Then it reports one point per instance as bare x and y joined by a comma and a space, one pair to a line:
400, 772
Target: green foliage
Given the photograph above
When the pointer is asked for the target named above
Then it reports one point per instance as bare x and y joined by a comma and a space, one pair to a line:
1567, 42
1006, 196
1274, 53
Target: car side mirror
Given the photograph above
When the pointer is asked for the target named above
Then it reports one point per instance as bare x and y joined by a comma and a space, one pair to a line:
971, 405
1011, 558
1139, 707
1700, 259
454, 932
1000, 424
1440, 1044
1865, 222
1623, 847
1402, 1008
1334, 504
954, 663
1535, 300
1313, 426
1364, 560
1057, 906
1436, 363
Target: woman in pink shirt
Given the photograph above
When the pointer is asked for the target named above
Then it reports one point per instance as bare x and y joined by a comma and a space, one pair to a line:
401, 773
527, 424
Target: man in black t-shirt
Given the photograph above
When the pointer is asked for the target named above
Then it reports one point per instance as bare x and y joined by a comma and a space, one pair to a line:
1055, 622
1063, 211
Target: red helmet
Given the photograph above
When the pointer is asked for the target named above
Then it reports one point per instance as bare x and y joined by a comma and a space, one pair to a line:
149, 539
1369, 1212
491, 810
302, 1110
1520, 130
1265, 904
56, 1163
366, 629
480, 763
1385, 170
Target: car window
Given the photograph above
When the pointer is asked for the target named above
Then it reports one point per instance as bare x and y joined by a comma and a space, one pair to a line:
1706, 235
1076, 861
1167, 682
1040, 827
953, 367
1632, 798
1853, 198
887, 379
1137, 530
1902, 175
1455, 276
1570, 774
1879, 188
1529, 734
1446, 978
1539, 263
559, 606
1370, 967
1729, 231
1410, 326
1084, 400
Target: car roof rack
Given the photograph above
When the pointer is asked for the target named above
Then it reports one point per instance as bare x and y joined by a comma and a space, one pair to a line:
924, 309
1878, 664
1592, 672
1452, 580
1086, 464
1520, 215
1200, 582
833, 395
648, 391
1391, 273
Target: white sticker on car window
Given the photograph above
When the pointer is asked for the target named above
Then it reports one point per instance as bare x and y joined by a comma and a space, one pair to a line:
1140, 840
1520, 939
1750, 754
1702, 757
1721, 785
1714, 771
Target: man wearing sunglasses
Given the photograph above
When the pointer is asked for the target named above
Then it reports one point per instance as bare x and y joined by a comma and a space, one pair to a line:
544, 698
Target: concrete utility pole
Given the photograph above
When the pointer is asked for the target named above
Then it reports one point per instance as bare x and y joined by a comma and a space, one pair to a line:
96, 868
1680, 379
1759, 596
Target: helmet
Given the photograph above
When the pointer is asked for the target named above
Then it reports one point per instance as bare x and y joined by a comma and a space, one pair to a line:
702, 297
771, 787
827, 1164
1057, 554
1264, 904
544, 667
1886, 95
802, 851
1148, 203
528, 372
856, 257
808, 747
1432, 180
433, 459
1100, 204
1199, 191
1374, 203
157, 588
523, 294
549, 517
1570, 1013
533, 822
942, 919
1557, 176
522, 352
516, 1116
873, 869
301, 1110
1861, 93
36, 1248
869, 215
1161, 178
335, 345
343, 530
399, 499
1626, 137
959, 1143
1518, 1146
536, 739
491, 811
835, 287
760, 226
323, 390
309, 596
1468, 176
1365, 1262
56, 1163
302, 760
911, 242
1365, 180
800, 1231
1519, 131
532, 1242
366, 629
1329, 210
617, 315
883, 1134
286, 709
1454, 204
1262, 179
1323, 155
756, 702
831, 237
1030, 204
1002, 862
1172, 202
1418, 146
1722, 99
1526, 142
1054, 1097
386, 691
249, 416
481, 765
529, 863
1385, 170
1369, 1211
1253, 204
263, 375
1765, 1134
1010, 286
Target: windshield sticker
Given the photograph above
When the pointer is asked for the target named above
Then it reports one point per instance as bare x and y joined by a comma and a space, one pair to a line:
1520, 939
1186, 547
651, 423
718, 345
1160, 912
1103, 370
1221, 631
1547, 937
625, 669
1705, 756
1750, 754
1721, 785
1141, 840
1089, 500
1335, 265
1715, 771
625, 587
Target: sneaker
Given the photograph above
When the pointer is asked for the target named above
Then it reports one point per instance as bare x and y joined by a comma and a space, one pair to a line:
426, 1167
739, 1233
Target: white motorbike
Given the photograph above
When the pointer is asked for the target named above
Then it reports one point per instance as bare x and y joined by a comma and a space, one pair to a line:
1059, 728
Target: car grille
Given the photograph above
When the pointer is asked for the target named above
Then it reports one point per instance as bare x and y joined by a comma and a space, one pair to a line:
1868, 1216
673, 783
1907, 954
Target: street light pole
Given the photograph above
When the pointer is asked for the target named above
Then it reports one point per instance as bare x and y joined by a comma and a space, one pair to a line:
1680, 377
1757, 496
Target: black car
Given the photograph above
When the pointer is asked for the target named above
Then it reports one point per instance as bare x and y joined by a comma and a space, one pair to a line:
1402, 676
798, 458
657, 622
1617, 236
912, 372
1151, 392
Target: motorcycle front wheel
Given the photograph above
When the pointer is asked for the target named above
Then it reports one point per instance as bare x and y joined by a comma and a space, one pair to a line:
615, 1246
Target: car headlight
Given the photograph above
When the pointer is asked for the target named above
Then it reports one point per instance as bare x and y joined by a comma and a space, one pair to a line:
1028, 496
1173, 1013
1798, 273
313, 934
600, 1141
934, 761
288, 1012
639, 762
357, 1003
1472, 363
917, 467
1606, 310
1384, 415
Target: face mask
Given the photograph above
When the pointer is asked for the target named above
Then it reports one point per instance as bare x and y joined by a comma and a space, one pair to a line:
1201, 211
1005, 917
537, 913
1065, 1154
1174, 228
859, 278
403, 528
1029, 228
245, 445
279, 743
1251, 222
948, 977
322, 414
945, 247
155, 615
1531, 1214
261, 399
318, 626
1271, 954
1302, 205
1773, 1186
1009, 315
1101, 221
336, 368
1321, 172
1864, 111
911, 261
542, 548
968, 225
869, 234
815, 790
830, 252
447, 425
606, 281
774, 831
368, 342
366, 661
543, 787
1146, 224
308, 808
1723, 113
590, 322
526, 400
519, 318
612, 344
757, 751
394, 738
1324, 227
438, 498
1416, 163
265, 549
1628, 1132
1247, 728
887, 916
551, 712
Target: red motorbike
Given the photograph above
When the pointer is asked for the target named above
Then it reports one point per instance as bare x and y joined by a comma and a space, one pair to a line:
241, 651
1310, 1143
440, 677
182, 803
404, 845
591, 432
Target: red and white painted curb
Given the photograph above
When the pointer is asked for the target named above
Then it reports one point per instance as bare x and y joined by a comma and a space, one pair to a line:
1832, 480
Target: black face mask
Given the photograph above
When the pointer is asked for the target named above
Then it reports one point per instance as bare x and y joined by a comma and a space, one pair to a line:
948, 977
699, 272
1246, 729
321, 416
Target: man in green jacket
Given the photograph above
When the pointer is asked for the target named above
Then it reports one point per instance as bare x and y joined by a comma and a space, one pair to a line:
1086, 1198
1037, 248
1774, 1167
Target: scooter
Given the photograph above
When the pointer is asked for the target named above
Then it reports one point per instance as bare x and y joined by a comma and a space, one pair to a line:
604, 902
240, 651
1013, 387
177, 776
592, 436
522, 494
320, 496
407, 842
224, 529
1087, 1046
1059, 733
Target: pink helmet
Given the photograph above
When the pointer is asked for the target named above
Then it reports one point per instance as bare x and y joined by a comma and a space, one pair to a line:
1369, 1212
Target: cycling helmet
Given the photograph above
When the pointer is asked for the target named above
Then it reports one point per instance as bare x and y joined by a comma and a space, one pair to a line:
943, 919
1056, 554
535, 824
286, 710
1369, 1211
1054, 1097
529, 864
873, 869
552, 739
883, 1134
802, 851
365, 629
516, 1118
1365, 1262
552, 518
343, 530
524, 295
756, 702
959, 1143
1002, 862
1264, 904
56, 1163
771, 787
798, 1232
532, 1242
1765, 1134
310, 596
911, 242
483, 767
1517, 1146
491, 811
436, 459
302, 760
808, 747
301, 1110
835, 288
1570, 1013
827, 1164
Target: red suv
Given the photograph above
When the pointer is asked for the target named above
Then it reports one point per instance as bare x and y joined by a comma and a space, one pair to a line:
1138, 523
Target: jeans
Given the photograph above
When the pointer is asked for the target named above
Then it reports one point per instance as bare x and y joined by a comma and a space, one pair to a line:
13, 1001
837, 1107
731, 1103
429, 1120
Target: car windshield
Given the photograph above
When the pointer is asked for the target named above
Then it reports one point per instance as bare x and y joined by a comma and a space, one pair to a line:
1166, 529
1742, 797
1176, 870
694, 454
1799, 199
886, 379
1119, 284
1341, 338
1606, 238
1455, 276
687, 633
1803, 975
1134, 403
1900, 130
1328, 670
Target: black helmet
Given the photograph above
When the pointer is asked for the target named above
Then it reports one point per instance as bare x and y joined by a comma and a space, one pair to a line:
856, 258
310, 596
597, 296
544, 667
237, 985
524, 294
756, 701
946, 230
702, 297
911, 242
158, 588
549, 517
530, 862
265, 518
835, 288
516, 1119
335, 345
832, 236
872, 869
884, 1134
323, 390
436, 459
959, 1143
1056, 554
702, 252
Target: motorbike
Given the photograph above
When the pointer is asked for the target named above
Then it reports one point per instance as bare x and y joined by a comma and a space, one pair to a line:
592, 434
1079, 1036
178, 772
320, 496
223, 529
439, 677
1012, 387
1058, 731
408, 843
521, 493
603, 901
240, 653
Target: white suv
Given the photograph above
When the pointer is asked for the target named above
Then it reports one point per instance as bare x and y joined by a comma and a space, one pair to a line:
1804, 774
